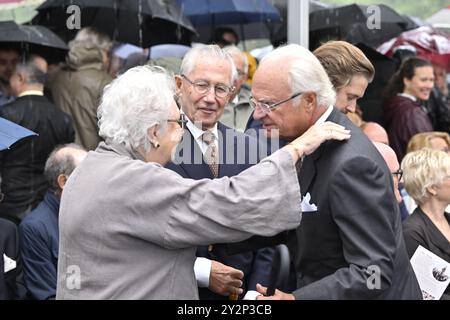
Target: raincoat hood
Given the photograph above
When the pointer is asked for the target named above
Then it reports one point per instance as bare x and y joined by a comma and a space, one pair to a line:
83, 54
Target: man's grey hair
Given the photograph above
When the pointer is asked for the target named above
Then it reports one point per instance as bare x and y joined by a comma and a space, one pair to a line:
60, 163
93, 36
134, 102
235, 50
34, 75
305, 73
206, 51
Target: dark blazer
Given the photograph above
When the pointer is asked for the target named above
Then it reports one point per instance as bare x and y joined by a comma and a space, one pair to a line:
356, 228
39, 246
22, 166
418, 229
256, 264
11, 282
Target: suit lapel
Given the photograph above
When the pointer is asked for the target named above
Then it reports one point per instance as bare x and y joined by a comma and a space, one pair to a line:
308, 170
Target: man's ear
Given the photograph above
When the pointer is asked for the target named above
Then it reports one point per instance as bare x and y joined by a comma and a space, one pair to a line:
61, 180
310, 99
178, 83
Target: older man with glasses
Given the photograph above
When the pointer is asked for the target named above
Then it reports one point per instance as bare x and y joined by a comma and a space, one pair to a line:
212, 150
349, 243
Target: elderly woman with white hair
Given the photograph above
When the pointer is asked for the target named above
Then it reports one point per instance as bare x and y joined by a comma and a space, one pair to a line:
129, 228
426, 175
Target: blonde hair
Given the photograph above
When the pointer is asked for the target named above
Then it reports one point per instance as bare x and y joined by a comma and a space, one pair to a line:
423, 169
423, 140
342, 61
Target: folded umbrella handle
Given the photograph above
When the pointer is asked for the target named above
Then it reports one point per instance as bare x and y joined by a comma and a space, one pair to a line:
279, 275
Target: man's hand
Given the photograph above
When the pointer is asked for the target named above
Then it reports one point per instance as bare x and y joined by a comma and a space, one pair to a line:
225, 280
279, 295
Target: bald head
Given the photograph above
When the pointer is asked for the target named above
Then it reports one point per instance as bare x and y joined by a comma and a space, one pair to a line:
390, 157
61, 163
375, 132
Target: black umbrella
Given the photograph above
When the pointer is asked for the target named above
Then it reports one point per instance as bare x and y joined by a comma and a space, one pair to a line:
350, 23
33, 39
140, 22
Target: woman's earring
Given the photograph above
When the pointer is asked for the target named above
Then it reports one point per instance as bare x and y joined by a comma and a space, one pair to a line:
155, 144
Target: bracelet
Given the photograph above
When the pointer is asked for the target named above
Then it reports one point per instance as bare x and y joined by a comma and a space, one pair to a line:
298, 151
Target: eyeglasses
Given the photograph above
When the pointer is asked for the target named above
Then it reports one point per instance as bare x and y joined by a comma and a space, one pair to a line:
266, 108
398, 173
203, 87
241, 73
181, 122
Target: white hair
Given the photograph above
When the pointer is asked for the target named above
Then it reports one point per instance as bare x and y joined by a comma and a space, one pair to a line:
235, 50
206, 51
305, 72
134, 102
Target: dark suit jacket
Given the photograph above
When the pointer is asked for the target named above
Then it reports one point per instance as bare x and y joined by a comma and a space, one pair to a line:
356, 229
22, 166
11, 282
39, 239
256, 265
418, 229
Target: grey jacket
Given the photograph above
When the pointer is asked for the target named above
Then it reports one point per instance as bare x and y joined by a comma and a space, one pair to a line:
129, 229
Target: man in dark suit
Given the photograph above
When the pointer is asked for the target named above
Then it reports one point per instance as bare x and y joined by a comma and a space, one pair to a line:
22, 166
213, 150
349, 244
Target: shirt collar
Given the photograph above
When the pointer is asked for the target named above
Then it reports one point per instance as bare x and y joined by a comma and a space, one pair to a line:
31, 93
406, 95
197, 133
325, 115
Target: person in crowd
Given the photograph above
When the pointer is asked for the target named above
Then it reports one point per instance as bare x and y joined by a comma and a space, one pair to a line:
218, 274
77, 87
427, 180
224, 36
346, 187
11, 278
9, 57
434, 140
129, 228
22, 166
403, 110
38, 232
390, 157
238, 110
349, 71
375, 132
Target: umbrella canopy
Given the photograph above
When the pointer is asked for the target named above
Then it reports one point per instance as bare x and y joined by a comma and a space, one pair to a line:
251, 19
10, 133
441, 19
140, 22
428, 42
39, 35
33, 40
350, 23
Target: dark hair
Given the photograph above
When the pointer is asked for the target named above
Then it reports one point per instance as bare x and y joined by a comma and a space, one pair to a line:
35, 74
57, 164
407, 70
218, 36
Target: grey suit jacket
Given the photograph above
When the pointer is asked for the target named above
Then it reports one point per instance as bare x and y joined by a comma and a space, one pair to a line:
129, 229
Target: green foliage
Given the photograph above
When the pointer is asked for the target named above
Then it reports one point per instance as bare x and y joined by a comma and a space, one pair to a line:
417, 8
